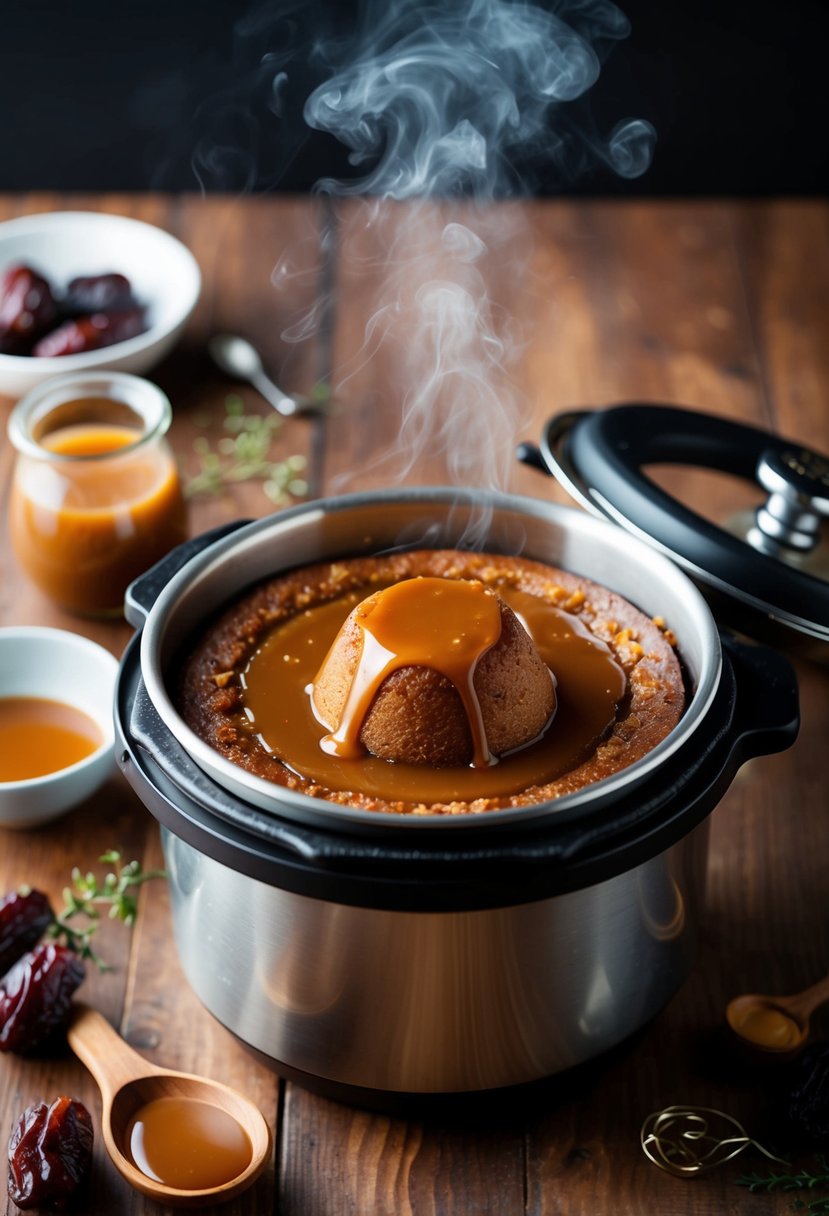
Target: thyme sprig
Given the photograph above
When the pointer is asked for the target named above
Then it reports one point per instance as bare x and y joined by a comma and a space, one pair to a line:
802, 1180
117, 891
244, 454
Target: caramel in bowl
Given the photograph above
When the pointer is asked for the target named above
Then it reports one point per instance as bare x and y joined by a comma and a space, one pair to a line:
62, 668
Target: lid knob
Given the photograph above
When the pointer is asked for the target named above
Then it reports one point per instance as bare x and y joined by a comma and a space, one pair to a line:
798, 484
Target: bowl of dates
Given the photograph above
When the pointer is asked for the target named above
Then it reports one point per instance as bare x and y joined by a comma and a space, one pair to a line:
82, 290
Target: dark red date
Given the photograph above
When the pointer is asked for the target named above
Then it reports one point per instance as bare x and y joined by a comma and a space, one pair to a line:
98, 293
50, 1154
27, 308
90, 333
35, 995
24, 917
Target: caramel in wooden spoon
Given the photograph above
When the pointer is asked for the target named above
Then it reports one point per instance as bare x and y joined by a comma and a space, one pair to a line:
181, 1139
776, 1024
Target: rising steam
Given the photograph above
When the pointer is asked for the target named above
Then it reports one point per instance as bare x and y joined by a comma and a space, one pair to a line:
451, 97
461, 100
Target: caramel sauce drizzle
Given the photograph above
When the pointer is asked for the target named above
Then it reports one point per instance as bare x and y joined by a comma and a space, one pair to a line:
277, 717
444, 624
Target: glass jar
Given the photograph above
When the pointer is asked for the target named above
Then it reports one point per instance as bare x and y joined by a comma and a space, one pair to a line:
95, 497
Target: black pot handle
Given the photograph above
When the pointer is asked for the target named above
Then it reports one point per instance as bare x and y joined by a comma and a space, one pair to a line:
758, 715
767, 709
531, 455
145, 590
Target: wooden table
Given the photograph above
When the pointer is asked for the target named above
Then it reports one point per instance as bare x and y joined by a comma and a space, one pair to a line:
721, 306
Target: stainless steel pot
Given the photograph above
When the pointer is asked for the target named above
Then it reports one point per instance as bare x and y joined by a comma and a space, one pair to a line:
364, 952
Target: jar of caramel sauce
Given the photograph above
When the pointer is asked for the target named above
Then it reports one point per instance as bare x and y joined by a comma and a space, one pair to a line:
95, 497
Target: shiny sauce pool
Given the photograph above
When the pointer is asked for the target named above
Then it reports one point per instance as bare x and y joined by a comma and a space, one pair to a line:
590, 684
39, 736
187, 1144
768, 1026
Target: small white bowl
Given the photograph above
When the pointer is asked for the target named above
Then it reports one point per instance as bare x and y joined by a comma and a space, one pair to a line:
63, 244
59, 666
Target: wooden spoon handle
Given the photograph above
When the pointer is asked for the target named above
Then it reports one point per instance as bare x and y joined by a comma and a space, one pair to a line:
807, 1001
100, 1047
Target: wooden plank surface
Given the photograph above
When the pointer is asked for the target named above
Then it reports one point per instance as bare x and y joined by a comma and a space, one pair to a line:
715, 305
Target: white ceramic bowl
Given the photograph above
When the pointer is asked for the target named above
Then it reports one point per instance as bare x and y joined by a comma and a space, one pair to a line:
62, 244
59, 666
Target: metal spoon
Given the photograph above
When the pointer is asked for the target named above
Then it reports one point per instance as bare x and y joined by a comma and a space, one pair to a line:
127, 1082
776, 1024
239, 358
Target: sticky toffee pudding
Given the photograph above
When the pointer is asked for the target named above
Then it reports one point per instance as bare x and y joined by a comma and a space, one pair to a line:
432, 682
432, 671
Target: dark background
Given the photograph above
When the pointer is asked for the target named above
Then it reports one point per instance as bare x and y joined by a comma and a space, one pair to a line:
175, 95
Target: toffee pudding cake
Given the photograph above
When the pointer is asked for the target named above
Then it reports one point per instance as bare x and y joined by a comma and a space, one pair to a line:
432, 682
433, 671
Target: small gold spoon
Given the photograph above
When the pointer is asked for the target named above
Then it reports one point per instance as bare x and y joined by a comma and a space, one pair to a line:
778, 1025
128, 1082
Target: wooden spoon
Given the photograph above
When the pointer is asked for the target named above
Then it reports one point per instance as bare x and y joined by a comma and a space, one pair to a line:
776, 1024
127, 1082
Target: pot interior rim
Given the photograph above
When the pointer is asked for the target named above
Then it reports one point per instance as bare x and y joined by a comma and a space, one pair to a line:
239, 553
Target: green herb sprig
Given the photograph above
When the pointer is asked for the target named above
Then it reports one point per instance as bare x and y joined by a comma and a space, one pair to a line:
117, 891
244, 454
802, 1180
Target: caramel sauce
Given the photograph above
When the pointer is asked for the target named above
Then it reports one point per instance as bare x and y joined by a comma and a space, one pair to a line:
278, 712
187, 1144
39, 736
444, 624
83, 529
91, 439
768, 1026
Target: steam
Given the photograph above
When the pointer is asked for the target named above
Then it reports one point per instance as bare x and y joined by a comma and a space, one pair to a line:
447, 98
443, 331
450, 108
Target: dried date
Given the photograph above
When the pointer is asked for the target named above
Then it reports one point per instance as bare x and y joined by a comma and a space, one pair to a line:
35, 995
50, 1154
90, 333
27, 308
98, 293
24, 917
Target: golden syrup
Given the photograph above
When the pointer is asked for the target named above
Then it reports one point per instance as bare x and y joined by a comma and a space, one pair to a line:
767, 1026
39, 736
85, 524
187, 1144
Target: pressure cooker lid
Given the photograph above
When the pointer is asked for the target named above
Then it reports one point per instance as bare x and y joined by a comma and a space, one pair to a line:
766, 570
